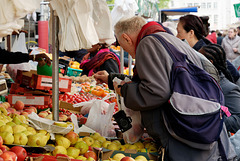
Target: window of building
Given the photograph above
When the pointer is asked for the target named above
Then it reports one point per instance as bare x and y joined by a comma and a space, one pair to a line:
196, 4
215, 19
209, 5
215, 4
203, 5
189, 4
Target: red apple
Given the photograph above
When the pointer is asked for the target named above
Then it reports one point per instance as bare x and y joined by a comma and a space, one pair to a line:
33, 108
127, 159
4, 148
5, 105
1, 141
1, 152
1, 159
11, 110
24, 113
19, 105
20, 152
72, 136
63, 117
91, 154
9, 156
43, 114
29, 111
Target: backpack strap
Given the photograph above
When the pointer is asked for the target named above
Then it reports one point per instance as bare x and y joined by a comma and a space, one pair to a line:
173, 52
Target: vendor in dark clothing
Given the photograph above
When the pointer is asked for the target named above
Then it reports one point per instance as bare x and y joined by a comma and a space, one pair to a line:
7, 57
99, 58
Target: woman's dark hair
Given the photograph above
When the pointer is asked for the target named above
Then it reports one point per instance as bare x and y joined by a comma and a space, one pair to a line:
217, 55
192, 22
206, 25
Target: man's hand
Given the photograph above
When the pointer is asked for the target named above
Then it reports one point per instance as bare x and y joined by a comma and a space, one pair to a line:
40, 57
117, 87
101, 77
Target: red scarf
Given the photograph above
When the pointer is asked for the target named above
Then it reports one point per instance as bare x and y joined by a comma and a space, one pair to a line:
95, 62
147, 29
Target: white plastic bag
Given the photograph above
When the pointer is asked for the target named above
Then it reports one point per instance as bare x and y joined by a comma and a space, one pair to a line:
101, 121
135, 133
19, 45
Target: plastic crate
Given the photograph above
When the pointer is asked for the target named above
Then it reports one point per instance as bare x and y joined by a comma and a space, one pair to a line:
74, 72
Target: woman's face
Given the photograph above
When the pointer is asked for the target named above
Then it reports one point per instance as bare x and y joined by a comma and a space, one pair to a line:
181, 33
231, 33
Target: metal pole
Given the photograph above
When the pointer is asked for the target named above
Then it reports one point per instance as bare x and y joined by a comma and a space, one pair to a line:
121, 60
129, 64
55, 66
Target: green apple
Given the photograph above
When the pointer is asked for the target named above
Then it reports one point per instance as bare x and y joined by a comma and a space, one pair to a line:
18, 129
122, 148
82, 146
31, 130
118, 156
139, 144
24, 124
7, 137
72, 151
127, 145
133, 147
45, 133
20, 139
88, 140
16, 120
22, 118
59, 150
27, 133
10, 123
106, 143
2, 123
62, 141
91, 159
101, 139
61, 124
81, 158
6, 128
141, 158
96, 144
117, 142
95, 135
143, 150
113, 146
37, 140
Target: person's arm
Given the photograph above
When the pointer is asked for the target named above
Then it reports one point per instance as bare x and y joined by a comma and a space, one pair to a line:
111, 76
153, 89
7, 57
232, 100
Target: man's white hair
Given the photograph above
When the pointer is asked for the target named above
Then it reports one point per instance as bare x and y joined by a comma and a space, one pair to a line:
129, 25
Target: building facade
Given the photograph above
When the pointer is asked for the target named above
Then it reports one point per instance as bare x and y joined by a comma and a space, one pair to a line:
221, 12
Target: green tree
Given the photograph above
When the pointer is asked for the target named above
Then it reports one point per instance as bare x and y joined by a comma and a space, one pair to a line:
163, 4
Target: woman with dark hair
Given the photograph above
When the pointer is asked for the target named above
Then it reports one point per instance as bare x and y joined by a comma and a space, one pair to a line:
192, 29
99, 58
217, 56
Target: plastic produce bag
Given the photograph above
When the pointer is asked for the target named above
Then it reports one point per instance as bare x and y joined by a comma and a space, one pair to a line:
123, 8
101, 121
18, 46
135, 133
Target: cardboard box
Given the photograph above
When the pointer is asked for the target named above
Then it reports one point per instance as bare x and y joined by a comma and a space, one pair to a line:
43, 82
106, 154
29, 99
69, 106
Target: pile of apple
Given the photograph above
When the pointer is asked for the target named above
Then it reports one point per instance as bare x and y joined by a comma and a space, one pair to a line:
122, 157
82, 148
16, 153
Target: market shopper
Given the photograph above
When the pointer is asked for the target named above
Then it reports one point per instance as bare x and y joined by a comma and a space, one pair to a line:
230, 44
192, 29
150, 87
7, 57
99, 58
231, 91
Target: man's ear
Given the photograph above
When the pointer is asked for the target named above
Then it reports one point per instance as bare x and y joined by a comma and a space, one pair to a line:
127, 38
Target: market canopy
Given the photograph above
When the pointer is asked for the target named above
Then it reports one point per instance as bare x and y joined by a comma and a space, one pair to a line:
179, 11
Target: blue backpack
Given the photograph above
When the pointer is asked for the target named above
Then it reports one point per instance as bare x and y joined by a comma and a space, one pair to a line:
193, 113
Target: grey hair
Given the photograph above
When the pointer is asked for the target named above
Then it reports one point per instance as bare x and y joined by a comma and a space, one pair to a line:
129, 25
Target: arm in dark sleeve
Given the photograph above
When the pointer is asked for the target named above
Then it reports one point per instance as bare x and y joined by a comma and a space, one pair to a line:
7, 57
110, 66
